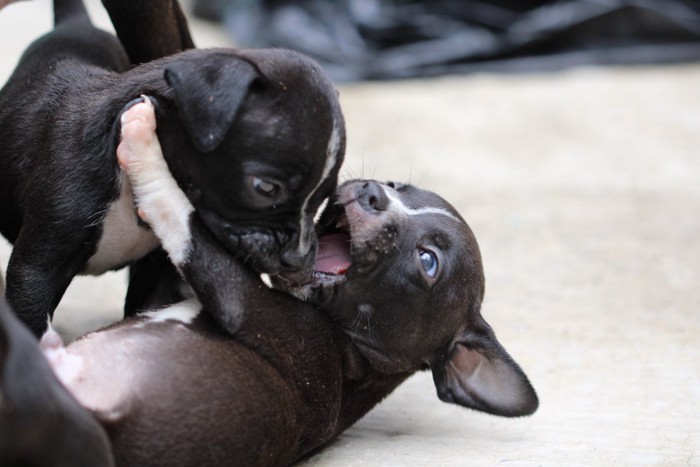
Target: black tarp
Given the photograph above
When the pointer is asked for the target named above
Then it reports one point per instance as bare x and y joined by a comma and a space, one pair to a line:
385, 39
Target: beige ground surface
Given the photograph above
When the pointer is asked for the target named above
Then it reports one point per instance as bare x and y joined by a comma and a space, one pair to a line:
583, 190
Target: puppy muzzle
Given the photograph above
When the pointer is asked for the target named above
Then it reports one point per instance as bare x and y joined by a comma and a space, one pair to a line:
276, 252
297, 262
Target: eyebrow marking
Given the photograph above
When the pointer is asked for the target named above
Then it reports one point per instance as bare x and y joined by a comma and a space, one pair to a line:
398, 206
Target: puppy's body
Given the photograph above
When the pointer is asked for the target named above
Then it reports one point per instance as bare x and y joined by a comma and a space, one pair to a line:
291, 380
195, 396
255, 139
294, 377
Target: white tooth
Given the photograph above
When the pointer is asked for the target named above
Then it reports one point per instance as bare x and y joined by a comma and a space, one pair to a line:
266, 280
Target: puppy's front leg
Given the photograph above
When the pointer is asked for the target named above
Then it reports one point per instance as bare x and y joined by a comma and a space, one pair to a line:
40, 268
220, 283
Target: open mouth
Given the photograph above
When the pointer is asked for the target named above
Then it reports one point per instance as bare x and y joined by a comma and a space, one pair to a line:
334, 247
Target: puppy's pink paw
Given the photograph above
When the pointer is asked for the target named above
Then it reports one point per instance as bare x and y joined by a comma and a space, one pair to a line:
138, 135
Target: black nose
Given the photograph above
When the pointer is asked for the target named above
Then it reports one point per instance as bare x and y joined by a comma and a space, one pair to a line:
371, 197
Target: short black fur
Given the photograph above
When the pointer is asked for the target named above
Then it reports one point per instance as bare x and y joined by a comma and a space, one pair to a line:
59, 178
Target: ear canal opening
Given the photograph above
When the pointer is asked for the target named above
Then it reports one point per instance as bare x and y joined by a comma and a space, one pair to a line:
485, 379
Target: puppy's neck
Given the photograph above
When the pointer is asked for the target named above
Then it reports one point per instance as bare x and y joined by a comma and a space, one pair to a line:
355, 366
362, 394
363, 385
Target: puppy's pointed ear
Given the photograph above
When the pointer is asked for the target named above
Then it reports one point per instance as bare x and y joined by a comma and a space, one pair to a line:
209, 93
478, 373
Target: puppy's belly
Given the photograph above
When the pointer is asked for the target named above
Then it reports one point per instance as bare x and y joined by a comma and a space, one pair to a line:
123, 240
107, 371
100, 371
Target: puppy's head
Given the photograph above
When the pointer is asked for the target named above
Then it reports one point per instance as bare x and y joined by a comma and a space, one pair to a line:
255, 138
400, 272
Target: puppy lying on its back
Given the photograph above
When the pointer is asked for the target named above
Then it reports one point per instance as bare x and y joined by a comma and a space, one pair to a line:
398, 288
255, 139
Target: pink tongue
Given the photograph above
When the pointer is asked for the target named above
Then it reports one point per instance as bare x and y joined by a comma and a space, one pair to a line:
333, 253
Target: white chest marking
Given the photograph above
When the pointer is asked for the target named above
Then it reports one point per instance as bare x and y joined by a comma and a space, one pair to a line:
400, 208
123, 240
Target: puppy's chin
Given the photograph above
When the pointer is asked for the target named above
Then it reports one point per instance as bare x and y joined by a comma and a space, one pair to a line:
333, 259
258, 247
319, 291
332, 262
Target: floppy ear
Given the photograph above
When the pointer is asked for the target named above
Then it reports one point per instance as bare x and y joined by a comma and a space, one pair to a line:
208, 94
478, 373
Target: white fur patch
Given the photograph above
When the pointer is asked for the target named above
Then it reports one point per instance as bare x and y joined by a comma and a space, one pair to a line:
184, 312
122, 239
331, 159
321, 208
398, 207
166, 208
160, 200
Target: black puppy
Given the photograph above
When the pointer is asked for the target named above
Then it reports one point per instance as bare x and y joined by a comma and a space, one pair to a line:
398, 287
40, 423
254, 138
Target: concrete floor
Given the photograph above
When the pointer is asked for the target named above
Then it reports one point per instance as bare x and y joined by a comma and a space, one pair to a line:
583, 190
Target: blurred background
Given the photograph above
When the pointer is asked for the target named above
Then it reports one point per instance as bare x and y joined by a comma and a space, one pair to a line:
568, 135
384, 39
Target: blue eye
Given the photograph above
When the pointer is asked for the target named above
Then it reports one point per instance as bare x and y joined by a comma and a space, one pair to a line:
429, 262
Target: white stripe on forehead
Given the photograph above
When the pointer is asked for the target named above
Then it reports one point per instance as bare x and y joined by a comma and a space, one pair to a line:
398, 206
331, 158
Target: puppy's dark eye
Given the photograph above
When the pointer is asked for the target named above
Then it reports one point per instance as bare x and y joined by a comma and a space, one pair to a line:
429, 262
265, 187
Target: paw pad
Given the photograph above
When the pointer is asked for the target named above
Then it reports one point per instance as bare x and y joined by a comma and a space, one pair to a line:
138, 135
